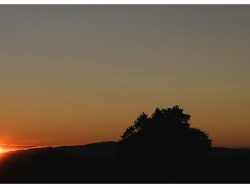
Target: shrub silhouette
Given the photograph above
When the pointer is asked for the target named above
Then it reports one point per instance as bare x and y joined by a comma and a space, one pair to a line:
164, 138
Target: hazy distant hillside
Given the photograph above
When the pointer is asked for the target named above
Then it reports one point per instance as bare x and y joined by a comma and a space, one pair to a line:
90, 151
218, 152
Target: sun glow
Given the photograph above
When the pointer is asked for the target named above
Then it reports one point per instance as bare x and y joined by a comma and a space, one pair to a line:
1, 152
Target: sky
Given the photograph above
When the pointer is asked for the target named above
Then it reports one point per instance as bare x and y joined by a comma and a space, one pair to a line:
78, 74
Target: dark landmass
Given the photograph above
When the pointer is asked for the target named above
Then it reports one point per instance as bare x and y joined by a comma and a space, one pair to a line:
96, 163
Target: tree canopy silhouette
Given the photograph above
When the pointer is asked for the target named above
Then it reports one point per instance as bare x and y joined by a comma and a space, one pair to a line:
166, 135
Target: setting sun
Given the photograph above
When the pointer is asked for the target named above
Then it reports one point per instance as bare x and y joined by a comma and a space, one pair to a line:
1, 150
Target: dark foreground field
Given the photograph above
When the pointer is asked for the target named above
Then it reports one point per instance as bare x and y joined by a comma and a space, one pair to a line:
97, 163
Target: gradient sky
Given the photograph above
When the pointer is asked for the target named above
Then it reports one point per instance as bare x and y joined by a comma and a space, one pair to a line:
76, 74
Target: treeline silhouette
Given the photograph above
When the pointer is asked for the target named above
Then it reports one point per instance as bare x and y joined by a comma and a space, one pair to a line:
161, 148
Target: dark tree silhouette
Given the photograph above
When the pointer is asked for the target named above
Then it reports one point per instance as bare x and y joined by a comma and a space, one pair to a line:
165, 138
